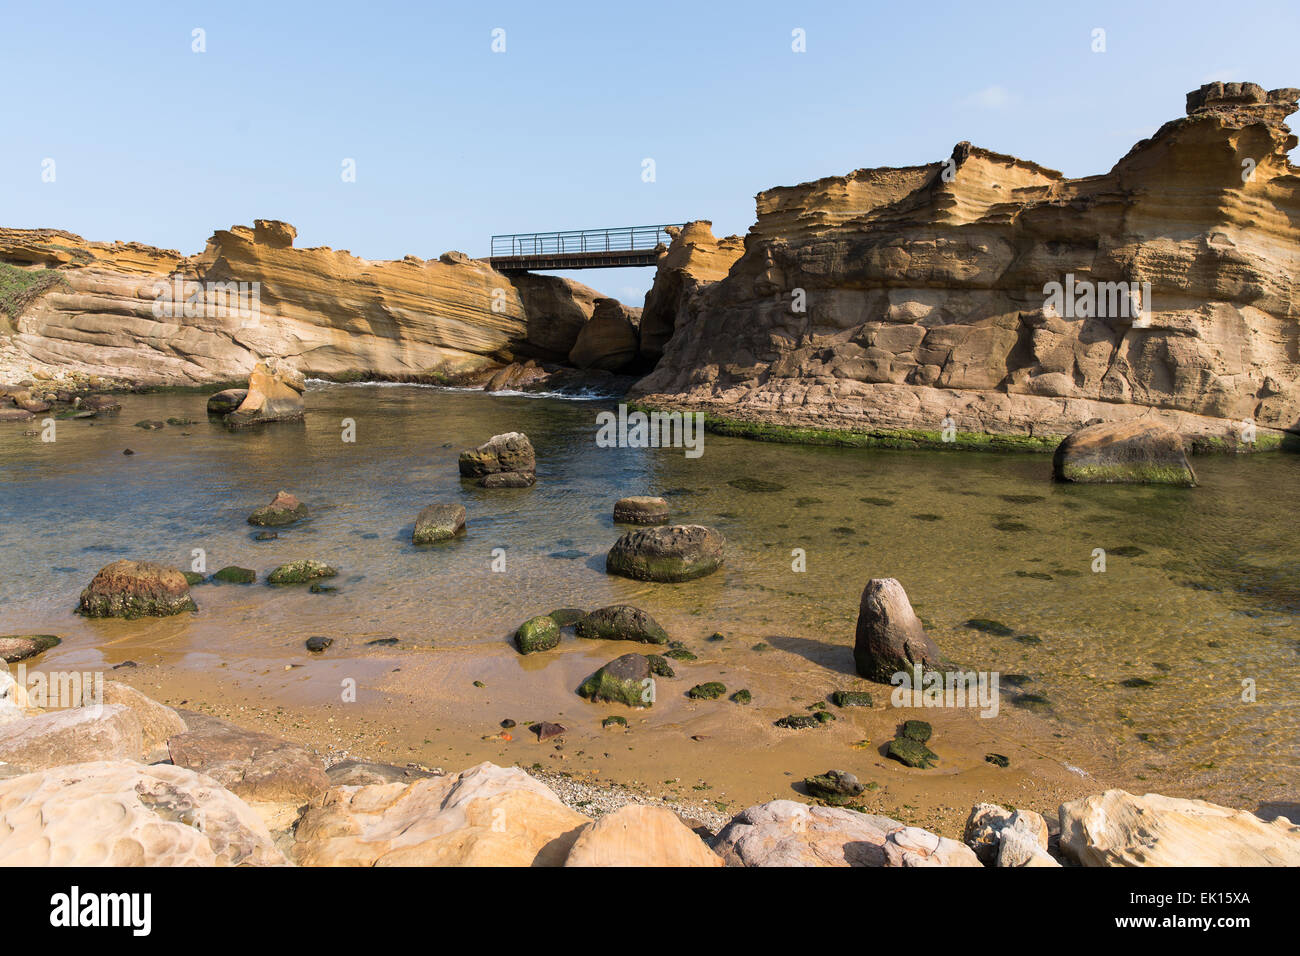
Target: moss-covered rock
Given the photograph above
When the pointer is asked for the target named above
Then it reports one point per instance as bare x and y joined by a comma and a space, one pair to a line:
20, 647
668, 554
912, 753
539, 633
1132, 452
624, 680
621, 622
233, 574
709, 690
659, 666
679, 652
918, 730
798, 722
284, 509
567, 616
614, 721
742, 696
998, 760
132, 589
440, 522
835, 787
193, 577
851, 698
299, 572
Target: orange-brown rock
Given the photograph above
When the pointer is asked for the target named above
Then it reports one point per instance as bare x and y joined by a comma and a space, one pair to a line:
898, 298
609, 340
693, 260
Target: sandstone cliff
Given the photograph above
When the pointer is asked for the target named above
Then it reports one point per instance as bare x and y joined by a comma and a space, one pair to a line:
117, 311
897, 297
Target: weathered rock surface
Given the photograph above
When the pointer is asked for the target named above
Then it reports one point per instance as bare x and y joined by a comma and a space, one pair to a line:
503, 461
484, 816
134, 589
788, 833
275, 776
324, 312
637, 835
1116, 828
1135, 452
609, 340
540, 633
624, 680
299, 572
118, 813
899, 297
283, 509
1007, 837
668, 553
72, 735
356, 773
158, 722
912, 846
889, 636
621, 622
640, 509
20, 647
274, 395
438, 523
222, 403
693, 260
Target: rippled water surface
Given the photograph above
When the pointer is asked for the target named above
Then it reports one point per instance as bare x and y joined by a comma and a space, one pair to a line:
1198, 601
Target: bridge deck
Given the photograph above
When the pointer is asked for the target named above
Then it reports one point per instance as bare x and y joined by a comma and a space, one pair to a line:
614, 248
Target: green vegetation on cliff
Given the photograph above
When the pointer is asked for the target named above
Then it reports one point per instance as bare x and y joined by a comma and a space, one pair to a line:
20, 286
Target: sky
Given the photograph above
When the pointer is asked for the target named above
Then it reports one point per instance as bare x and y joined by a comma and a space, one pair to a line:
453, 141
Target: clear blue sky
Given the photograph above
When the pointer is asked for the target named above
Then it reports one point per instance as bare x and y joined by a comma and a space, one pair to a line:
452, 142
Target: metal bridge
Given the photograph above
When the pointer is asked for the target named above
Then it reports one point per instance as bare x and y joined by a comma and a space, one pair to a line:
614, 248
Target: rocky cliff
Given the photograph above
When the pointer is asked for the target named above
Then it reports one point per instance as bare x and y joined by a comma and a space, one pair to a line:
897, 298
120, 311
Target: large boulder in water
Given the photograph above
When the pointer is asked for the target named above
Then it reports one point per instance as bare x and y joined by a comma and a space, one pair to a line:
890, 637
668, 553
624, 680
274, 395
226, 401
283, 509
1133, 452
641, 509
133, 589
503, 461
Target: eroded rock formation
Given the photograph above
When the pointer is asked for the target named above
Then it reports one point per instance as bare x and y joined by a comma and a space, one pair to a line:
117, 310
896, 298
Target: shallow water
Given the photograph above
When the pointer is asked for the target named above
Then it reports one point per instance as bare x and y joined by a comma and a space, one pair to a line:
1201, 589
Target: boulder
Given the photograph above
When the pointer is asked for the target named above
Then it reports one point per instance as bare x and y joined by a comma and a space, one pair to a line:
283, 509
624, 680
276, 777
438, 523
134, 589
355, 773
787, 833
119, 813
669, 553
912, 846
621, 622
298, 572
158, 722
72, 735
226, 401
485, 816
541, 633
233, 574
835, 787
890, 637
1131, 452
608, 341
637, 835
988, 825
641, 509
1116, 828
274, 395
511, 453
20, 647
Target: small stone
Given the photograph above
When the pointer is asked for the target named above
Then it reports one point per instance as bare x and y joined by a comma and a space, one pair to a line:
318, 644
539, 633
742, 696
917, 730
545, 730
236, 575
851, 698
615, 721
283, 509
298, 572
711, 690
835, 787
912, 753
798, 722
440, 522
998, 760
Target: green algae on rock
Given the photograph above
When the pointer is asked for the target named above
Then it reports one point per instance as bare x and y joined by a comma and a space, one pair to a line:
851, 698
20, 647
440, 522
284, 509
299, 572
621, 622
1132, 452
913, 753
539, 633
624, 680
834, 787
132, 589
709, 690
233, 574
670, 553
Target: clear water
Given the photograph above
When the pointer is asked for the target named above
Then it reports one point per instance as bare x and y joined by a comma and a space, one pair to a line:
1206, 599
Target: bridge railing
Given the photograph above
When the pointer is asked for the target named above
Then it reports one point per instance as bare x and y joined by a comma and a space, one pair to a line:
576, 241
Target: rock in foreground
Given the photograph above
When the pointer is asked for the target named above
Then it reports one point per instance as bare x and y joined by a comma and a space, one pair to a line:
1116, 828
503, 461
787, 833
890, 637
621, 622
134, 589
624, 680
637, 835
668, 554
1134, 452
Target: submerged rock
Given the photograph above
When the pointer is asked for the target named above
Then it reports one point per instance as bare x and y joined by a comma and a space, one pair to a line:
640, 509
132, 589
283, 509
912, 753
890, 637
438, 523
20, 647
670, 553
624, 680
1134, 452
236, 575
297, 572
621, 622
